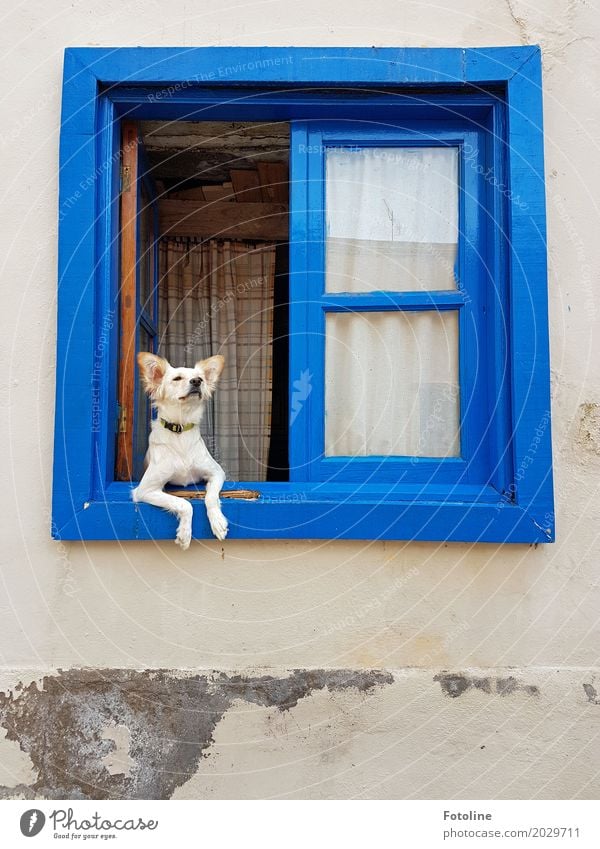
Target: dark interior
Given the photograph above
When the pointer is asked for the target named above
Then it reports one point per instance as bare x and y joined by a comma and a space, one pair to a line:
229, 163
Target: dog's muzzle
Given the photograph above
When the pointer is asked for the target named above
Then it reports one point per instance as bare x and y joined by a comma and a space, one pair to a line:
195, 387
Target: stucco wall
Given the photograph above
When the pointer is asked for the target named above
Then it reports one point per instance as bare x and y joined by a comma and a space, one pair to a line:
487, 656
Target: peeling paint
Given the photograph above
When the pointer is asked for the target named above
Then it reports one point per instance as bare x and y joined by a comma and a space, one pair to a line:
592, 695
588, 434
127, 734
15, 766
455, 684
118, 761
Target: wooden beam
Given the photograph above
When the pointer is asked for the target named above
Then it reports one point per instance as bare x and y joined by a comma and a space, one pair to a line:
273, 177
238, 494
188, 194
224, 220
223, 191
129, 210
216, 135
220, 191
246, 185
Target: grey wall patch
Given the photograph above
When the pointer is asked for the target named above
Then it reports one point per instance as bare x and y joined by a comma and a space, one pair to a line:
592, 695
588, 434
454, 685
170, 720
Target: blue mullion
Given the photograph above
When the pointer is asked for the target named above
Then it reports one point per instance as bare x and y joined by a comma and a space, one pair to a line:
413, 132
316, 287
473, 335
395, 469
498, 307
368, 302
300, 249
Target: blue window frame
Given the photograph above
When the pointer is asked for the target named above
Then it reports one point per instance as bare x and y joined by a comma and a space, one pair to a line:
487, 105
467, 301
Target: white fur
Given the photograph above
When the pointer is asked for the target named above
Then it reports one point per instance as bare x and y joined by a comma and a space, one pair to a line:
180, 458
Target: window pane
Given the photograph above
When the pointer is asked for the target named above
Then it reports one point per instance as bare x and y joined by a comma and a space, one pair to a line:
391, 384
391, 218
146, 254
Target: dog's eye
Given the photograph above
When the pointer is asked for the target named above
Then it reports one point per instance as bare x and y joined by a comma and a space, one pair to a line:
179, 377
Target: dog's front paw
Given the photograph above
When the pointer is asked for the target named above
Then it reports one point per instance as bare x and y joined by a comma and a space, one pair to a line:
218, 523
184, 536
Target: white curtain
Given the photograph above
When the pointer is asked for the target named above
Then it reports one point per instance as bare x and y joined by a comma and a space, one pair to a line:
391, 378
216, 297
391, 384
392, 219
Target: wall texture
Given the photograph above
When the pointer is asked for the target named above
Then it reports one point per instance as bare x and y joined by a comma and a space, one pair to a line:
297, 669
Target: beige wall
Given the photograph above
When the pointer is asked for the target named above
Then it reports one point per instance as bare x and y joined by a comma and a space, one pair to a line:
285, 605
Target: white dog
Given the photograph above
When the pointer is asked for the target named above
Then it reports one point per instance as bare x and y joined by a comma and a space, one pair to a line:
176, 451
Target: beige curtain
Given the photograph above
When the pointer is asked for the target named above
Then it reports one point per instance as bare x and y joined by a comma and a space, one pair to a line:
391, 378
391, 384
392, 219
216, 297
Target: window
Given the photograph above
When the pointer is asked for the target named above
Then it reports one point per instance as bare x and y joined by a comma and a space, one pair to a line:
416, 401
396, 287
201, 272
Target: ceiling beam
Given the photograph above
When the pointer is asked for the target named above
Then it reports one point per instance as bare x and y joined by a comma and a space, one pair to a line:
224, 220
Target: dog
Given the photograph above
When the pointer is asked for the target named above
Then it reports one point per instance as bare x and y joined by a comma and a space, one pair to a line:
176, 451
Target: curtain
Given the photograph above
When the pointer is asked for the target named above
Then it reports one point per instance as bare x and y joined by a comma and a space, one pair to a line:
391, 377
392, 219
391, 384
216, 297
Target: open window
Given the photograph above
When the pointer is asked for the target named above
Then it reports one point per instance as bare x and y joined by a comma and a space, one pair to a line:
204, 270
363, 241
390, 379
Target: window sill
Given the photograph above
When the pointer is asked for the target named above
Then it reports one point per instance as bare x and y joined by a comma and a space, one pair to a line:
321, 511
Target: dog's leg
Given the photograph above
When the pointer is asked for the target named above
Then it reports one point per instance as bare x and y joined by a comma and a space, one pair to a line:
150, 492
214, 484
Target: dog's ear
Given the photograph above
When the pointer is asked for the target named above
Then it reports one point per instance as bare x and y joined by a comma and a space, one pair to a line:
153, 368
211, 369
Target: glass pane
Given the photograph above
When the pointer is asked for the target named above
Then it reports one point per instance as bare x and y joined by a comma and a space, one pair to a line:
391, 218
146, 254
142, 414
391, 384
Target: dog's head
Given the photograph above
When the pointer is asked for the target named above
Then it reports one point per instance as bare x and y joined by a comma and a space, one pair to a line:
186, 388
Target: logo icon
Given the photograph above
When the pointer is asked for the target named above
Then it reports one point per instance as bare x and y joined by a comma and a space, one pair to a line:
32, 822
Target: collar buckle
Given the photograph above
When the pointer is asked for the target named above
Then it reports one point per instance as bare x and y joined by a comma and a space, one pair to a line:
176, 428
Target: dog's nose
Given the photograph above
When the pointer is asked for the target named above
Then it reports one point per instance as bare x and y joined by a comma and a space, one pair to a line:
195, 381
